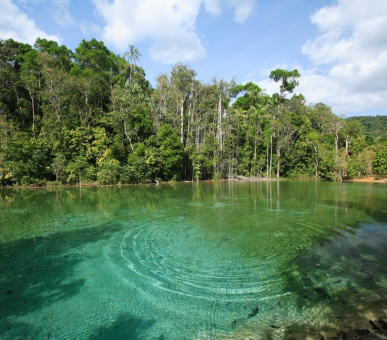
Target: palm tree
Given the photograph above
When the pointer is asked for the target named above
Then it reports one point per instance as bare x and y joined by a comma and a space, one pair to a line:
133, 54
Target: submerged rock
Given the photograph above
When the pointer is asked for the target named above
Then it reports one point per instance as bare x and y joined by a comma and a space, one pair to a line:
322, 292
254, 312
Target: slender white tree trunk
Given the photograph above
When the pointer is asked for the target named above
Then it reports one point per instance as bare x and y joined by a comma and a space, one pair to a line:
181, 108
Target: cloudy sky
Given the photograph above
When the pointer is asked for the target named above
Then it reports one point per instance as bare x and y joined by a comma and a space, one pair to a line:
338, 46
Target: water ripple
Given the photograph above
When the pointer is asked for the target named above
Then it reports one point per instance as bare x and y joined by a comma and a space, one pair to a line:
181, 260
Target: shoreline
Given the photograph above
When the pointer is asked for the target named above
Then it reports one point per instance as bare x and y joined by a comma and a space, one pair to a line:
96, 185
368, 179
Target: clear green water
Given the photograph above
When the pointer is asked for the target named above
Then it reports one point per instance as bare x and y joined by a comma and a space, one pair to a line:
222, 260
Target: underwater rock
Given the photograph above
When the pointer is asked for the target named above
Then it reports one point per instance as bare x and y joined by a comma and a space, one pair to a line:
254, 312
236, 321
379, 325
357, 334
322, 292
374, 325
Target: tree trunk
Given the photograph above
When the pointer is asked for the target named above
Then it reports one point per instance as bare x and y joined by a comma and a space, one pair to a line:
278, 161
316, 155
336, 146
18, 102
338, 175
191, 124
219, 127
181, 109
128, 137
33, 114
267, 161
255, 151
271, 153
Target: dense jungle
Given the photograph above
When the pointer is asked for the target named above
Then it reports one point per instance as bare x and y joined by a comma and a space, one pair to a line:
92, 116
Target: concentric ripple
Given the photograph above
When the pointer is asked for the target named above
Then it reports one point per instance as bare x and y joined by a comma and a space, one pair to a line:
185, 259
222, 277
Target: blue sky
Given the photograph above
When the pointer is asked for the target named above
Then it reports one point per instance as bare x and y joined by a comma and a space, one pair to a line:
339, 46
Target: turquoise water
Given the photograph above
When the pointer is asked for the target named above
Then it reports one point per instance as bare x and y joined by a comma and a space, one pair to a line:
227, 260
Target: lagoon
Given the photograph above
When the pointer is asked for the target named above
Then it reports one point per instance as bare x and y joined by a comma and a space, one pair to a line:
216, 260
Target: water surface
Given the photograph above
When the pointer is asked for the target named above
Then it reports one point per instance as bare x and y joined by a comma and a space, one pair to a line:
191, 261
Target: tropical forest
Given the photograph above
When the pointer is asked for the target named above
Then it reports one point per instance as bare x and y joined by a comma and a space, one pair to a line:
92, 116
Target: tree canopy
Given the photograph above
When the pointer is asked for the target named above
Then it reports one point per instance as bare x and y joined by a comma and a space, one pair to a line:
92, 116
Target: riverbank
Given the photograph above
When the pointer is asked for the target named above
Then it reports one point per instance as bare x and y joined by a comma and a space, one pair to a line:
370, 179
50, 185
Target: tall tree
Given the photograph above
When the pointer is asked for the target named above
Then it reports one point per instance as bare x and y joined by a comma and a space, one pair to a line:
288, 81
133, 54
61, 55
182, 79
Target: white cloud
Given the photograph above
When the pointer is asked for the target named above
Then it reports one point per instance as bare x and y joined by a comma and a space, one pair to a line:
343, 100
212, 7
61, 3
325, 88
63, 17
170, 25
89, 29
243, 9
29, 2
61, 13
352, 47
15, 24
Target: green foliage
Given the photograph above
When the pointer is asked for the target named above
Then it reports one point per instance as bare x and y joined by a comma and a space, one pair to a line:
93, 116
380, 161
79, 170
165, 153
247, 95
58, 166
374, 126
137, 169
25, 161
288, 79
61, 55
109, 169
